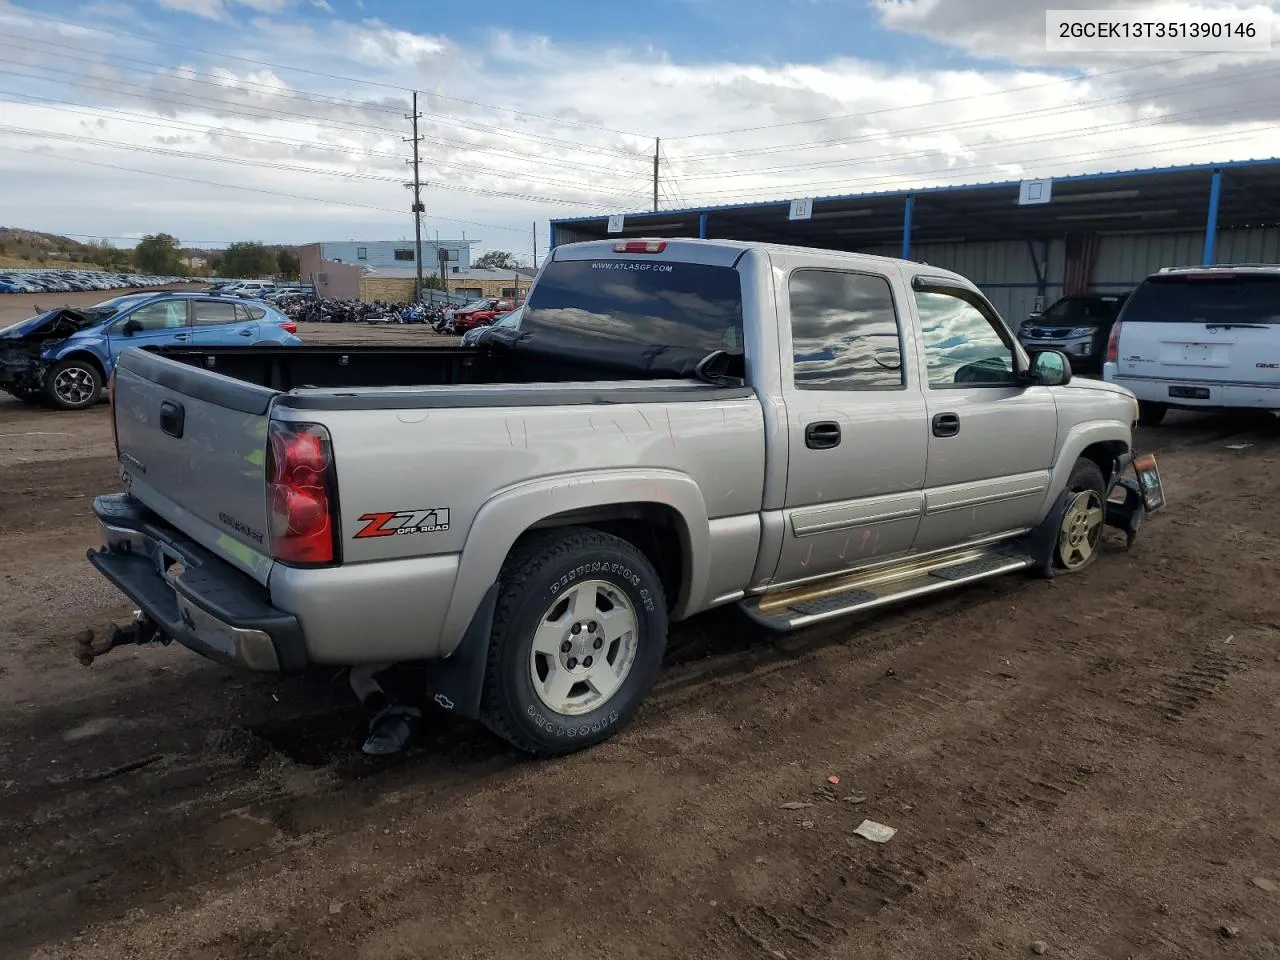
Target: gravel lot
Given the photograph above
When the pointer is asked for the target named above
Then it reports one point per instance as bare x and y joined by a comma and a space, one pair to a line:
1089, 762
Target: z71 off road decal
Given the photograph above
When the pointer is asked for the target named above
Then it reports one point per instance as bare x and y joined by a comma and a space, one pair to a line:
401, 522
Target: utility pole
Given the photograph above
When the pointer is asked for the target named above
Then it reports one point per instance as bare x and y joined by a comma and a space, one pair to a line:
657, 148
418, 208
535, 244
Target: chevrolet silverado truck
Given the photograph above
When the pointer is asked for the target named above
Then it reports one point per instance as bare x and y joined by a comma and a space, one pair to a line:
675, 426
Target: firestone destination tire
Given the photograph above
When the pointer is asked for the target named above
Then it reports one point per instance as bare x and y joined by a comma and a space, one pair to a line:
578, 637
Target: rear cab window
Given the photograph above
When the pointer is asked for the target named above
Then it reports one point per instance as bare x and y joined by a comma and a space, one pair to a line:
1220, 297
844, 331
619, 303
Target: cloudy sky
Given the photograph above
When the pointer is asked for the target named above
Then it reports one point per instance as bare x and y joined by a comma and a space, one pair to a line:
285, 120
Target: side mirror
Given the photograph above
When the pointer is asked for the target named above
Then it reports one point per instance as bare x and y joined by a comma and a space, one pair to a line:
131, 327
1049, 368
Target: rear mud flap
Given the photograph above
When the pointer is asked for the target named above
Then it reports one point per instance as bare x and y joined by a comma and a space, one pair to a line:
456, 683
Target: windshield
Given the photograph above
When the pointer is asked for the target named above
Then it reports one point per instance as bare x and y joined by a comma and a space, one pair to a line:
638, 303
1083, 309
1206, 298
475, 305
1061, 310
511, 319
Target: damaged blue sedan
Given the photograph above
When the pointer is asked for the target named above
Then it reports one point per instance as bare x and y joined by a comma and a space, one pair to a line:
63, 357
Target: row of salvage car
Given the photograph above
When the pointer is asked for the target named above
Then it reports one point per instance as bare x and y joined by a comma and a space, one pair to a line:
68, 281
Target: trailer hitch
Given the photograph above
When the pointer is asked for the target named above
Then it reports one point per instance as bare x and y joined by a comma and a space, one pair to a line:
142, 631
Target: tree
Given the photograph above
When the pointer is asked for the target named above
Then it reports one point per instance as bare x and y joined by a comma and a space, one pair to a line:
287, 261
157, 253
105, 255
496, 260
248, 258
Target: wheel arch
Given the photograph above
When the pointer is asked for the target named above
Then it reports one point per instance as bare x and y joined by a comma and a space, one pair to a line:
1102, 441
79, 353
661, 511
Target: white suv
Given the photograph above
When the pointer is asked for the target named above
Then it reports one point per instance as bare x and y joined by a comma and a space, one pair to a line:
1200, 338
252, 289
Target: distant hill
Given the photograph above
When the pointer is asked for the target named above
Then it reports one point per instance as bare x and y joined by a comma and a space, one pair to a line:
22, 247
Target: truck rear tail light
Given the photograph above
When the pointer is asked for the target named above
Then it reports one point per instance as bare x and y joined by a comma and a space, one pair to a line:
640, 246
1113, 344
289, 326
302, 494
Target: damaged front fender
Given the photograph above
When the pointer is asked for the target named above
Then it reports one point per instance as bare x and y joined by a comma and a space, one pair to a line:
25, 347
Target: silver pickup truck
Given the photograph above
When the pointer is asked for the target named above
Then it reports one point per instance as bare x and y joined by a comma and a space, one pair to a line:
676, 425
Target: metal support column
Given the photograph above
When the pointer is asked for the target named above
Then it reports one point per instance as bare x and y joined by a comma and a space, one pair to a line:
702, 226
551, 237
906, 227
1211, 224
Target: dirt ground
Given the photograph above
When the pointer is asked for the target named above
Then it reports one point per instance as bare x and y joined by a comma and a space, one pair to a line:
1088, 764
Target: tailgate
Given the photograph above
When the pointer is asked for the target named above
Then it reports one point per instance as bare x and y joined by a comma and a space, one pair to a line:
1216, 326
192, 447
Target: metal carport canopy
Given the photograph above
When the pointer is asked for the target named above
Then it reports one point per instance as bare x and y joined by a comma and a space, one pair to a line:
1210, 197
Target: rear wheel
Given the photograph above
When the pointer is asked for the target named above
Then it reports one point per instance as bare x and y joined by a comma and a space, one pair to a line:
578, 637
73, 384
1151, 414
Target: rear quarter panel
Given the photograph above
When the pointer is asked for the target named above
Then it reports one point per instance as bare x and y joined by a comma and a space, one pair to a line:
436, 470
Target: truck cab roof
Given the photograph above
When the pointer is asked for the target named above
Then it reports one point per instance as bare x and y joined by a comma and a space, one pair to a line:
728, 252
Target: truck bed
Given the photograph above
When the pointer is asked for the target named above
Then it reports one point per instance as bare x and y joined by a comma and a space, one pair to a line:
290, 368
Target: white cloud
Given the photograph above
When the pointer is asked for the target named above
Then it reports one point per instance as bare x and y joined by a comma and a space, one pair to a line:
342, 143
209, 9
1015, 29
222, 9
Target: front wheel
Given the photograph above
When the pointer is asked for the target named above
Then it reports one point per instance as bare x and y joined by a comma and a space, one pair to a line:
1080, 533
73, 385
578, 638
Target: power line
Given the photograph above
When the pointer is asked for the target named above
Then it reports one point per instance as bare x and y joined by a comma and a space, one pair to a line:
936, 103
978, 122
336, 126
188, 75
236, 186
286, 167
126, 116
319, 73
1215, 112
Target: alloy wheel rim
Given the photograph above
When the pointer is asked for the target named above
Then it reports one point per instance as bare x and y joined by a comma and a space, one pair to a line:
73, 385
583, 648
1081, 529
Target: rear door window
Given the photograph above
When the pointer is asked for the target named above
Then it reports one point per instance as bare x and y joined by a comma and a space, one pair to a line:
1206, 298
213, 312
844, 332
618, 302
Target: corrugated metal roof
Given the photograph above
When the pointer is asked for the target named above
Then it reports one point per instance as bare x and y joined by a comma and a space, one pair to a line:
907, 191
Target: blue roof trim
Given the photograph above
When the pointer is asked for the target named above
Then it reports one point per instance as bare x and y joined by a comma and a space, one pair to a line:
991, 185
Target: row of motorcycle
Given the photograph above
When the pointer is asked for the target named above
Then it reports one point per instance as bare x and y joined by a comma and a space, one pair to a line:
308, 309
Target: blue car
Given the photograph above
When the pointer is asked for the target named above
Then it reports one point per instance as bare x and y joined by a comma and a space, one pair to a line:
65, 356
